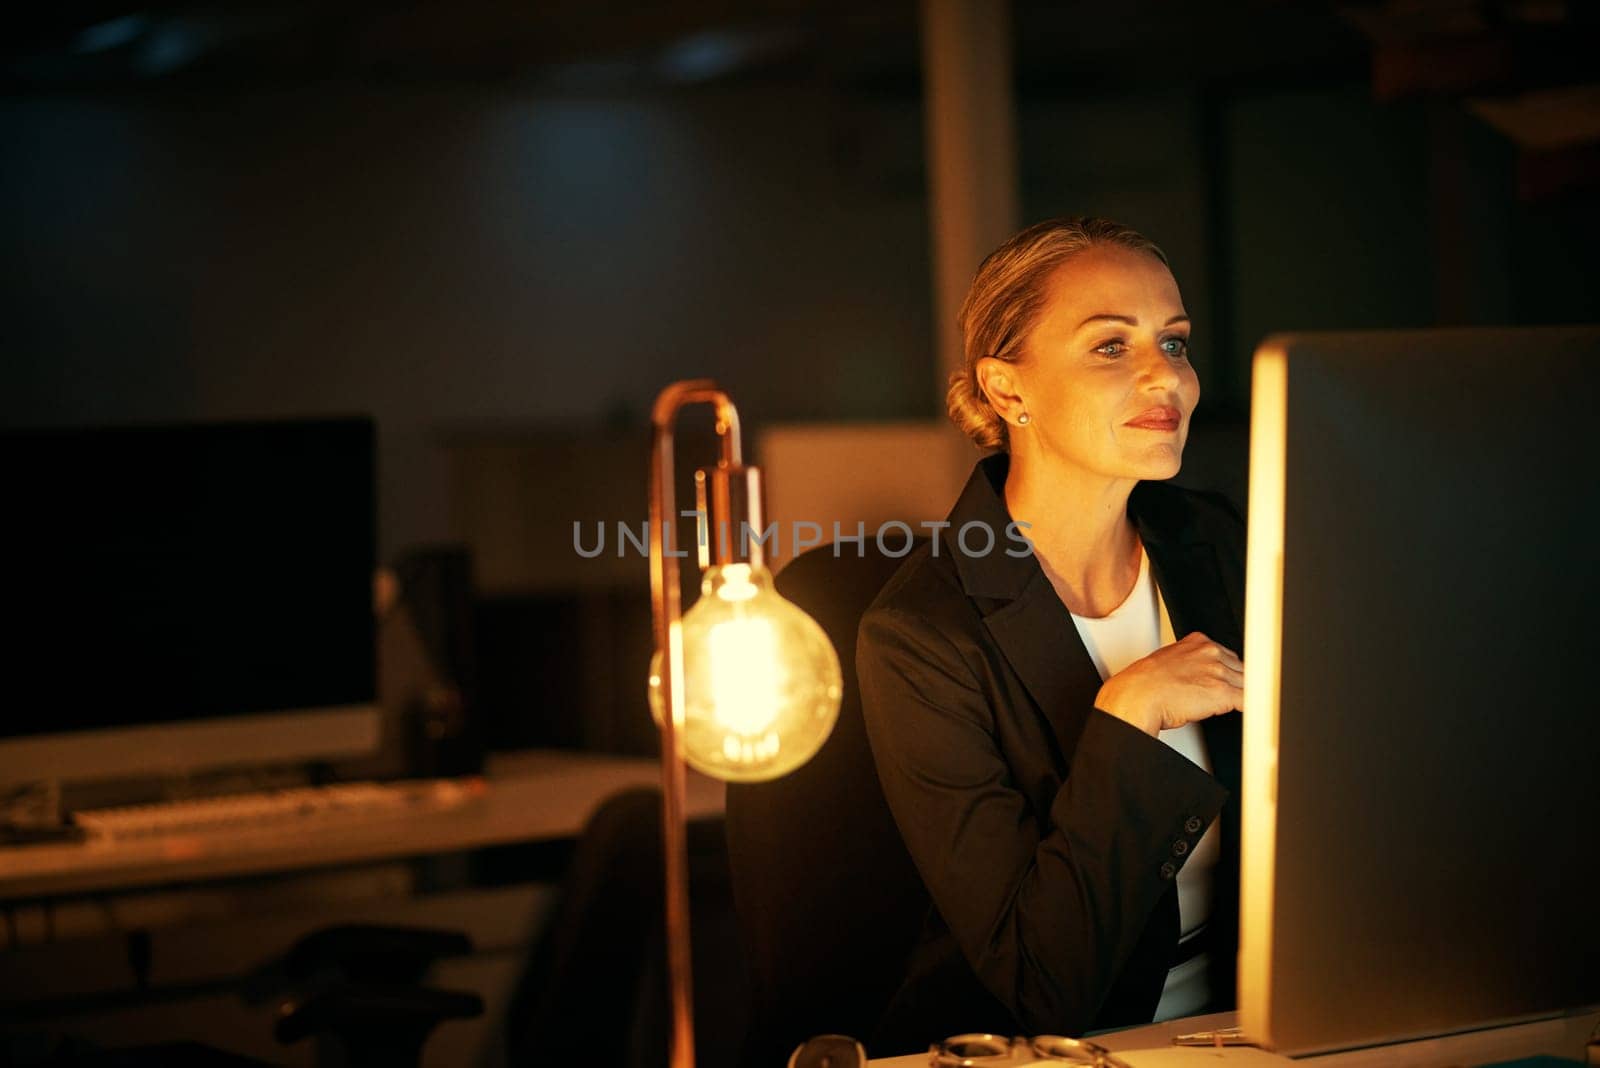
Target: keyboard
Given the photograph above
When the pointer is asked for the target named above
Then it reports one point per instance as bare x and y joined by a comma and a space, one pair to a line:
352, 802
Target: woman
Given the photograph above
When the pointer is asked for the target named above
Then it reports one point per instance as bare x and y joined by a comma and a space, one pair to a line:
1056, 762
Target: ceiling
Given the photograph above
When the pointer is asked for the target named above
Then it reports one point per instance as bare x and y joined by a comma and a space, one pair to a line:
626, 45
1527, 67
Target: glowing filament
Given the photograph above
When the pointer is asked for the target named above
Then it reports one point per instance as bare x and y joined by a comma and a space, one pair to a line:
747, 676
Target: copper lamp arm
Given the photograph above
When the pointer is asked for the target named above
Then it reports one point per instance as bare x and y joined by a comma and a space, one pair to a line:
665, 596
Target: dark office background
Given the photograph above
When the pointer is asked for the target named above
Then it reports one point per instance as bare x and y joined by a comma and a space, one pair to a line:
503, 227
499, 228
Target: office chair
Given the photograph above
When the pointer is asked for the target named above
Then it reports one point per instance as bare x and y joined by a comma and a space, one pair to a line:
595, 987
829, 902
357, 990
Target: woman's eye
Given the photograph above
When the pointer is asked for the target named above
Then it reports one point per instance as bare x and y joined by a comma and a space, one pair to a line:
1112, 348
1175, 346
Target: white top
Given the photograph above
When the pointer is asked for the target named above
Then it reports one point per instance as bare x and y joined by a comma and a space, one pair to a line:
1135, 629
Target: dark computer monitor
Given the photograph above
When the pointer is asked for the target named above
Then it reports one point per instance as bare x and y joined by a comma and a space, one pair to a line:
186, 597
1422, 712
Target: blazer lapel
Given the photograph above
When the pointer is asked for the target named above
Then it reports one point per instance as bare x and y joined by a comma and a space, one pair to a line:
1035, 631
1020, 608
1041, 643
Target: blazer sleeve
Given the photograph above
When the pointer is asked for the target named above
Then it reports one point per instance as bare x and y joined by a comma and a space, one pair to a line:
1046, 921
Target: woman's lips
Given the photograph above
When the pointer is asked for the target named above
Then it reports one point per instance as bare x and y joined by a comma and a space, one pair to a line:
1156, 419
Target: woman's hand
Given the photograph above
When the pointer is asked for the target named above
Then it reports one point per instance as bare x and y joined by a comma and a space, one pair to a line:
1191, 679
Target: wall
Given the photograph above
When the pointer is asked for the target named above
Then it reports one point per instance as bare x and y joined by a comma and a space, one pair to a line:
458, 257
462, 260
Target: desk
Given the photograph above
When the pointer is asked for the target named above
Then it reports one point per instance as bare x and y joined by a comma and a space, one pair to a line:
210, 910
531, 796
1561, 1037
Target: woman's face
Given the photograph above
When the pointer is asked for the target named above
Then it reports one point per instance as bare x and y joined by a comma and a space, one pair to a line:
1105, 375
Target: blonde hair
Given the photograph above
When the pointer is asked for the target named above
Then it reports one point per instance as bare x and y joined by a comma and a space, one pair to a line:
1004, 302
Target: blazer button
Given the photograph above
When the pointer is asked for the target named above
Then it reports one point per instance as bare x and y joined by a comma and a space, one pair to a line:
1180, 847
1168, 870
1192, 824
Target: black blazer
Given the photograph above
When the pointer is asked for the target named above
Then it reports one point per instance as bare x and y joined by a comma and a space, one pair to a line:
1048, 832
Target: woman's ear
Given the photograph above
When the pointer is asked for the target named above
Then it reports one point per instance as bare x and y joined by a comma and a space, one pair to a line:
999, 381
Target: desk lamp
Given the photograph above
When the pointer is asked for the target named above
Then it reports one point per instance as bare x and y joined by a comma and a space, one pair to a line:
745, 686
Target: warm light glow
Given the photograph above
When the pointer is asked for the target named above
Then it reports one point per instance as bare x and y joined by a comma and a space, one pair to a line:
738, 583
1263, 615
761, 681
747, 676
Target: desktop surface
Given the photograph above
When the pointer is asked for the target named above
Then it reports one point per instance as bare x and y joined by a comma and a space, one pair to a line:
523, 797
1150, 1046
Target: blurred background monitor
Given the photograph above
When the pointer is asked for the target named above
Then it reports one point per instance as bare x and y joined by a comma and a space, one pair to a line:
183, 598
1421, 792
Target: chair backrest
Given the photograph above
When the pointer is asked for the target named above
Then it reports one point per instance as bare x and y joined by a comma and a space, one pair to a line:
594, 988
829, 902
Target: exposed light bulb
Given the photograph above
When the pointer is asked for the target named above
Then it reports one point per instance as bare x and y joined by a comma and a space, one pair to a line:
761, 681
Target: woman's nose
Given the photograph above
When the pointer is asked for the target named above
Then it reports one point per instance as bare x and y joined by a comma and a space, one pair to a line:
1158, 370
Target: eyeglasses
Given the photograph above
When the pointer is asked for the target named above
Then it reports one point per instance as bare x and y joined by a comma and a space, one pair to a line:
829, 1051
981, 1051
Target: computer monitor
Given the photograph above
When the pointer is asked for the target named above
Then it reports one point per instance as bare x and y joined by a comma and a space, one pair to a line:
184, 598
1421, 721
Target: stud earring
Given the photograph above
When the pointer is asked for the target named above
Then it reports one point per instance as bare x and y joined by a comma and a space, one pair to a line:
1022, 420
